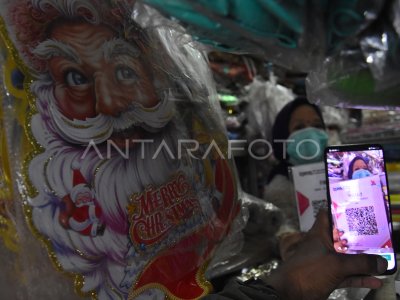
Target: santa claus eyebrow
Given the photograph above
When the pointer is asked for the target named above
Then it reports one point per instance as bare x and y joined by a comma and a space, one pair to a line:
51, 48
118, 47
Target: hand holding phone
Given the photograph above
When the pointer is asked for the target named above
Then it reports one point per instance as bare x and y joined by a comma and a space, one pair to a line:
314, 269
359, 202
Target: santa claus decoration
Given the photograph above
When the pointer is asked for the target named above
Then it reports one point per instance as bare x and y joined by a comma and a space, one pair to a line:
81, 213
122, 169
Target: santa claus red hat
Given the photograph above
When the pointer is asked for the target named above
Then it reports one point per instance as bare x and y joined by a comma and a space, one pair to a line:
77, 177
79, 183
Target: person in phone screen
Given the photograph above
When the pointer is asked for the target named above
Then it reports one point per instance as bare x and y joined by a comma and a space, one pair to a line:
358, 168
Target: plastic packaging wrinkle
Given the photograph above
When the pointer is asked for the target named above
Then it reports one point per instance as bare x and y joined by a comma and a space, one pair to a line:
259, 244
116, 182
266, 99
285, 32
364, 72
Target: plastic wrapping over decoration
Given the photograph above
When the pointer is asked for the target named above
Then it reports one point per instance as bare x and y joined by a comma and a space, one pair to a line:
259, 244
7, 228
8, 123
118, 152
364, 73
24, 262
293, 34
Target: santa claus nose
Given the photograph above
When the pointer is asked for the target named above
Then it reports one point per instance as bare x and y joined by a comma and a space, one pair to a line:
109, 98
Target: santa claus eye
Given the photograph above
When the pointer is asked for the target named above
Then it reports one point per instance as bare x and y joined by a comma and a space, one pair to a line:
75, 78
124, 73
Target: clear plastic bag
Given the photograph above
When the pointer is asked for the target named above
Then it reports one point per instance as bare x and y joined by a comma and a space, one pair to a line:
259, 244
266, 99
364, 73
293, 34
345, 80
116, 147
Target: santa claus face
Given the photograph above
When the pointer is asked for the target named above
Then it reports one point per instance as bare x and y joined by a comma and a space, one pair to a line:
82, 195
96, 73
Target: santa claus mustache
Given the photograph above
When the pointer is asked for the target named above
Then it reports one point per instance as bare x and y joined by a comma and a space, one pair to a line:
100, 128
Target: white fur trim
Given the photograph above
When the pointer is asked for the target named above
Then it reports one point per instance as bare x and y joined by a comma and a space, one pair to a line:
76, 165
79, 226
93, 231
92, 212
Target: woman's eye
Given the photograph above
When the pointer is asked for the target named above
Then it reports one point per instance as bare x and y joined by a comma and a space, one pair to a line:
319, 126
75, 78
299, 127
125, 73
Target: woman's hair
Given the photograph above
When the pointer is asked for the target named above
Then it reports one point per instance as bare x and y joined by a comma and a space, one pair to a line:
280, 131
351, 165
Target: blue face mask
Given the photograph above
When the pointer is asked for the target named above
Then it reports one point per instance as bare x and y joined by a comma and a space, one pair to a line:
361, 173
306, 146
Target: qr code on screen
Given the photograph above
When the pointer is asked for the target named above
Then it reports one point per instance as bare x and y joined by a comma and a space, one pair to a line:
319, 204
362, 220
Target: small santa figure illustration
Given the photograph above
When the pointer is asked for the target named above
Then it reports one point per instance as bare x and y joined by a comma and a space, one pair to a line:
79, 211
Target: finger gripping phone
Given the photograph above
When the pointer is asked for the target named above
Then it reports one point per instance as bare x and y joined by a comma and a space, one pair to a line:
359, 201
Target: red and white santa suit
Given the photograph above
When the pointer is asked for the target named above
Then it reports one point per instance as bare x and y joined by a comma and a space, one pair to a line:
86, 214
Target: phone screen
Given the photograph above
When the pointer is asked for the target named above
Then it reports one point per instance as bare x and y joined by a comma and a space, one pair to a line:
359, 201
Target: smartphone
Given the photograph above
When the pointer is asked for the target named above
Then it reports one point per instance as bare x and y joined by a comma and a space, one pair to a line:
359, 201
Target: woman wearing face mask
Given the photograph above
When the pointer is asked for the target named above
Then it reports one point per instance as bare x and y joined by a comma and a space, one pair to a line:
299, 137
358, 168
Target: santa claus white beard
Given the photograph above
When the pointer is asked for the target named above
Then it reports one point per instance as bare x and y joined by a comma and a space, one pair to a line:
100, 128
101, 259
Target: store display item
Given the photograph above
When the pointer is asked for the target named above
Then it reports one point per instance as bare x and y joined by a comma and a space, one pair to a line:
102, 102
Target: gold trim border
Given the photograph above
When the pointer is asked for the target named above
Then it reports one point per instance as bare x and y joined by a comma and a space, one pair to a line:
35, 150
